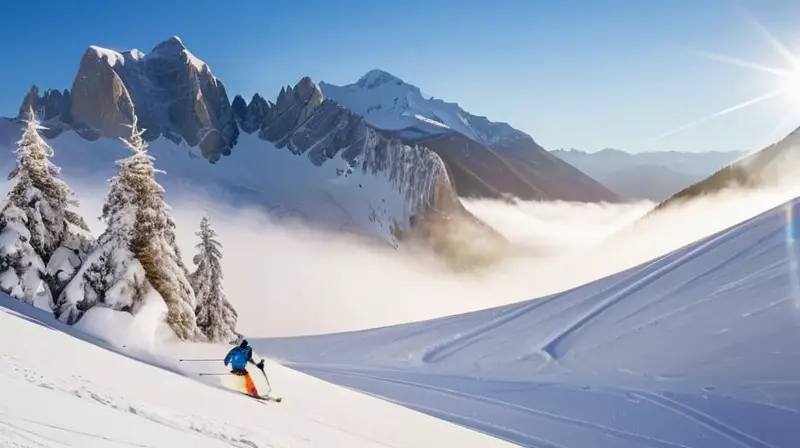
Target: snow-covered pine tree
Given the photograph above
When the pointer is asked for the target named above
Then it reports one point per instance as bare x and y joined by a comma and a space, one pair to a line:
136, 252
216, 317
22, 272
43, 241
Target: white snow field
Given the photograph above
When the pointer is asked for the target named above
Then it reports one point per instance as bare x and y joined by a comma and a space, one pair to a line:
63, 387
698, 348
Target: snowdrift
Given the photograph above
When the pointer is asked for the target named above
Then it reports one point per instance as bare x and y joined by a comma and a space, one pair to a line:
697, 348
62, 386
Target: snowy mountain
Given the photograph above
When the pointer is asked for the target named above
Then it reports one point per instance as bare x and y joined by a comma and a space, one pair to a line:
649, 175
389, 103
485, 158
696, 348
302, 154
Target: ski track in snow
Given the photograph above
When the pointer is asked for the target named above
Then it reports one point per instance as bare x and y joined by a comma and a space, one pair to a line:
461, 341
527, 438
651, 273
83, 389
61, 387
695, 349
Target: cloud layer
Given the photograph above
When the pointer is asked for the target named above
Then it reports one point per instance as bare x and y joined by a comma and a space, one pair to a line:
285, 278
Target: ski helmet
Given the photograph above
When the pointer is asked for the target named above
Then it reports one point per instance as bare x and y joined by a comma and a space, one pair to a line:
244, 343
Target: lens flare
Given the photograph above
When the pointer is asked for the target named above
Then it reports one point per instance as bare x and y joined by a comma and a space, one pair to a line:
790, 252
787, 85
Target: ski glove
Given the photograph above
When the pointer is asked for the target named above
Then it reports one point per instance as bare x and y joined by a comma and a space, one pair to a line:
260, 364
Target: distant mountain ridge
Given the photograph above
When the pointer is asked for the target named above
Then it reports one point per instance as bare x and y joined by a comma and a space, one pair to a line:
484, 158
685, 162
359, 176
647, 175
774, 165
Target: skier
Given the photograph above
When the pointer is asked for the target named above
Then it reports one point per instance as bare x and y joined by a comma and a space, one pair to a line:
238, 358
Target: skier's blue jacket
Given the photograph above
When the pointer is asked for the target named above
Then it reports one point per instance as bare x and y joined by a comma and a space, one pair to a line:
238, 357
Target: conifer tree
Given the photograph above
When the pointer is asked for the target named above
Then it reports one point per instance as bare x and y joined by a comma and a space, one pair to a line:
216, 317
137, 252
43, 240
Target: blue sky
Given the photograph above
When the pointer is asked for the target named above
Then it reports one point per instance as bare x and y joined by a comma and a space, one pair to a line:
587, 74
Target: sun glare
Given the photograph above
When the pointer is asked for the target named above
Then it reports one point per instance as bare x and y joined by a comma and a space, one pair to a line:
786, 85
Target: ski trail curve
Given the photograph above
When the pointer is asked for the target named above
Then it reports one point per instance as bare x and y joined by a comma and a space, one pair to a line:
447, 348
661, 267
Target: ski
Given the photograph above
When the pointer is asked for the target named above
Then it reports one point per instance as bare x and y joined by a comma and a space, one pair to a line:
264, 397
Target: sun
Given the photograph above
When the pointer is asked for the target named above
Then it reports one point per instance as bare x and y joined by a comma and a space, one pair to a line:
791, 86
786, 85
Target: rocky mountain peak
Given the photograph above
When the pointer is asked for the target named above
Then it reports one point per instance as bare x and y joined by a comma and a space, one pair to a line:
100, 100
173, 93
252, 116
176, 52
172, 45
52, 108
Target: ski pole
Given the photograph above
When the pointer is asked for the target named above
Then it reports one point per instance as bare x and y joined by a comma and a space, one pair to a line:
198, 360
209, 374
265, 377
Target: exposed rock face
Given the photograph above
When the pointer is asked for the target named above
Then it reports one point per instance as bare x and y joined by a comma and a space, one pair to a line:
557, 179
479, 172
100, 99
173, 93
52, 108
53, 104
304, 123
250, 117
181, 96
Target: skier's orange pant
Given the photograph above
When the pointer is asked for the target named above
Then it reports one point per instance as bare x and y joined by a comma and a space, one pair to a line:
249, 385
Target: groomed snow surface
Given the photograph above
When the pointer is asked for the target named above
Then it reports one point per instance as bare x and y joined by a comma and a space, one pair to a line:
698, 348
63, 387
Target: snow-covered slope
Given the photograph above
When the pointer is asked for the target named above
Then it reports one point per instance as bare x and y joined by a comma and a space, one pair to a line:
61, 386
697, 348
334, 194
486, 158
